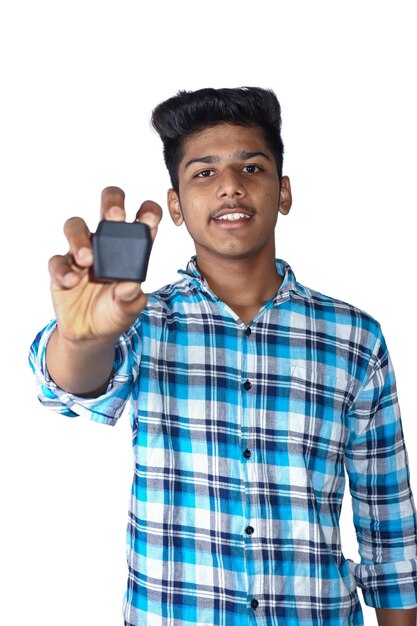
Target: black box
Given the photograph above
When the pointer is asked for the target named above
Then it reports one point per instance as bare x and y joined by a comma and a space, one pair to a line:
121, 251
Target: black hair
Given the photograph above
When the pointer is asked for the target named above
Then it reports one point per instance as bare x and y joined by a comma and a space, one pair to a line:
191, 111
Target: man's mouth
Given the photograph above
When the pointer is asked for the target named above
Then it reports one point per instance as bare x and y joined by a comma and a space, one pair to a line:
232, 217
229, 213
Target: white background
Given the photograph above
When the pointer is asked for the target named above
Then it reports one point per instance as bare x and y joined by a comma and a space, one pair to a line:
79, 81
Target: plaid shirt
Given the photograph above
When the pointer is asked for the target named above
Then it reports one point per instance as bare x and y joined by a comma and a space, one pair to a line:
241, 438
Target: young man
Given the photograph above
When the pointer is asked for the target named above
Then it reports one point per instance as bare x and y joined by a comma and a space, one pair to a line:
250, 394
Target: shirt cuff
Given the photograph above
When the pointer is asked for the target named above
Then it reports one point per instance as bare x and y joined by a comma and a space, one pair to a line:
105, 409
387, 585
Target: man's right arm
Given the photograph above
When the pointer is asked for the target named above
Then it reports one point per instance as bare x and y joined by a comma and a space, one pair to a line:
91, 316
82, 368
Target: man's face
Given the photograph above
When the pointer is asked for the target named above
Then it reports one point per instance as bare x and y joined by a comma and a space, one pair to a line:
229, 192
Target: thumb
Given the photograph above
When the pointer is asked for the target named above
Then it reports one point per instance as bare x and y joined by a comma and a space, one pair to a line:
127, 291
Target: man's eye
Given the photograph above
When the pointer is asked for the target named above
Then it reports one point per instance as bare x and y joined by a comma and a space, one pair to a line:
251, 169
205, 174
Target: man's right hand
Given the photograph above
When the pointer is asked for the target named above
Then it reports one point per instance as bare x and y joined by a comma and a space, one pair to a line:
89, 310
91, 315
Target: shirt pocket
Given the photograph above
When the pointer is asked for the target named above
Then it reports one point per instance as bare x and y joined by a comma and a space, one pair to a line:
317, 431
317, 405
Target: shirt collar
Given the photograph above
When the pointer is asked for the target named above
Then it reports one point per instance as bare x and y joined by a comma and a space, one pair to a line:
289, 284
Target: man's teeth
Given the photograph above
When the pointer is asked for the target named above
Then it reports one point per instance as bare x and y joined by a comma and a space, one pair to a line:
233, 216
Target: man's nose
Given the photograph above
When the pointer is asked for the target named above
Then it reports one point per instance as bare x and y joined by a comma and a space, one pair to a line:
230, 185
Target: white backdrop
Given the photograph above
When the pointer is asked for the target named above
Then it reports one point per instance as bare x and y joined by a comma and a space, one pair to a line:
79, 80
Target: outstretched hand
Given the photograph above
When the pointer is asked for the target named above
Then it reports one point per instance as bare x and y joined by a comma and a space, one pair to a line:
87, 309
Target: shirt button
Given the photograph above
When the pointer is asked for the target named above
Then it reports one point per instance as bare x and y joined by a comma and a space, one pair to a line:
247, 385
254, 603
247, 454
249, 530
248, 331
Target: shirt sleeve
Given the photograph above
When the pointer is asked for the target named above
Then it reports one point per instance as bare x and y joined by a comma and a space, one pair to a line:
384, 514
106, 408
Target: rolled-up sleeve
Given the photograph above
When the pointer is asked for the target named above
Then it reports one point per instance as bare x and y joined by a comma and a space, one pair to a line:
106, 408
384, 514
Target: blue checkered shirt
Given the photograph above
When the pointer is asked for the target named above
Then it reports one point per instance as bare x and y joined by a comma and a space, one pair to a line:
242, 436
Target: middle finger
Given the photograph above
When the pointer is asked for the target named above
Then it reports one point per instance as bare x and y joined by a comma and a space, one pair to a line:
112, 206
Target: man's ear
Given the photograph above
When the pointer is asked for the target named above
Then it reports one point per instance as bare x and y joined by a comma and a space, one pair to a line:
285, 197
174, 207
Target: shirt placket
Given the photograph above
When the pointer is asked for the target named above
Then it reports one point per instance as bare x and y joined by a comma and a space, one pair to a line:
248, 466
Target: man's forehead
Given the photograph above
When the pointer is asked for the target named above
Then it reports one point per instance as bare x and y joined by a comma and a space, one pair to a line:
225, 129
225, 141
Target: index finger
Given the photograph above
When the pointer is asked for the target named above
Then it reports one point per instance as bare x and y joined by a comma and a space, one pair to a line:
111, 196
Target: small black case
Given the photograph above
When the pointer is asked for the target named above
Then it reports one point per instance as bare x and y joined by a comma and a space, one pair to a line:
121, 251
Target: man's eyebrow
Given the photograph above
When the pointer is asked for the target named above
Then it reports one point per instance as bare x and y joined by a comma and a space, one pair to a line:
203, 159
241, 155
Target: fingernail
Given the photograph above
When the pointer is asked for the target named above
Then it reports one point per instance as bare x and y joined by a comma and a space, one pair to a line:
69, 279
114, 213
128, 292
149, 219
84, 254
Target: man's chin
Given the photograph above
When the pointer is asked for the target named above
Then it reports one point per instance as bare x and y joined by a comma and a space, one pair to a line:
230, 253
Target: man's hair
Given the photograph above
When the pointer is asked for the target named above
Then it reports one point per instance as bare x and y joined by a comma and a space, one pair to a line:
191, 111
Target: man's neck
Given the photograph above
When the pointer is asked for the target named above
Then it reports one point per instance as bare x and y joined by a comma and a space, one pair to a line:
243, 284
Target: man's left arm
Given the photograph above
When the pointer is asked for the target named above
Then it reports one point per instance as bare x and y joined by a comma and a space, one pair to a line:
396, 617
384, 514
